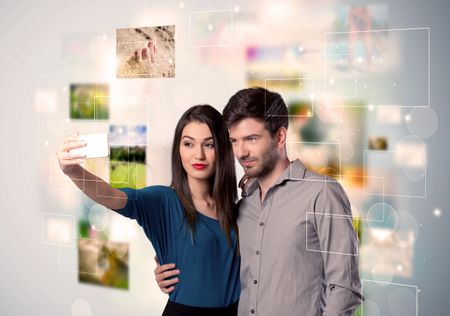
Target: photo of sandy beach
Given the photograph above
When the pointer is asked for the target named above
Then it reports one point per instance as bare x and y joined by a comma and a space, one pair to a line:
147, 52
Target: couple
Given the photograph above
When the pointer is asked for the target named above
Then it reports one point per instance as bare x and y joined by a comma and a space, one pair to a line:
294, 253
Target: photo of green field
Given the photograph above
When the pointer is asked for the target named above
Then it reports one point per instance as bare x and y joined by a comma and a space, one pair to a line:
127, 167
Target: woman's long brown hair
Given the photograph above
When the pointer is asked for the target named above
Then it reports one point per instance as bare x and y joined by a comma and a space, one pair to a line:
222, 183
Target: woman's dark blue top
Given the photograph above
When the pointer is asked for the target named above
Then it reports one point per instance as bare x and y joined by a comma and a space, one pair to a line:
209, 266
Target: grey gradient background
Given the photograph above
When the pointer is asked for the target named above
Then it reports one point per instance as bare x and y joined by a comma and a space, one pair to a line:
30, 34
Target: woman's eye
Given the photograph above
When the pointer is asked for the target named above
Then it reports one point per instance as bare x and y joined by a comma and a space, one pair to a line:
209, 145
186, 144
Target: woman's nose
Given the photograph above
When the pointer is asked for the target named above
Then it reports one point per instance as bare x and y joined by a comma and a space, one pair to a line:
200, 154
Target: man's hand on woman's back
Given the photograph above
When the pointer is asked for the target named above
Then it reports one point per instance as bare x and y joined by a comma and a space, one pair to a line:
163, 276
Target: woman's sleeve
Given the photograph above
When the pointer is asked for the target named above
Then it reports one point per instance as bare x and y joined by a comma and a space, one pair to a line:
155, 209
147, 206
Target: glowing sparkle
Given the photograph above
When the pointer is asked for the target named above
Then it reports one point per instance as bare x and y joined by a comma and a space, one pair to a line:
331, 81
236, 8
210, 27
370, 107
407, 118
181, 5
437, 212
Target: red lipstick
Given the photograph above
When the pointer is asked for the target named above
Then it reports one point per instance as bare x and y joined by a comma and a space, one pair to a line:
199, 166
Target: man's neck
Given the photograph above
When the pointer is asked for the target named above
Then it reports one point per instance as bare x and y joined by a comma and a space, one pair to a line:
267, 181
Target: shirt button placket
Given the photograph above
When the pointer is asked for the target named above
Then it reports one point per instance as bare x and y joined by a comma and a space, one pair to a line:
257, 252
259, 240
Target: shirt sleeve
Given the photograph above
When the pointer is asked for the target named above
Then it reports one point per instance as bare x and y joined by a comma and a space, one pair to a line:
142, 205
339, 248
153, 209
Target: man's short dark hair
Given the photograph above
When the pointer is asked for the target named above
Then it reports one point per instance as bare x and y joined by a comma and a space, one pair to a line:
260, 104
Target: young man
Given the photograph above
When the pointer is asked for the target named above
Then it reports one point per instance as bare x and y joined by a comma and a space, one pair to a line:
298, 246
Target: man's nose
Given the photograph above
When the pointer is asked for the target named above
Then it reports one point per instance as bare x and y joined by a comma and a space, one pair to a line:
241, 150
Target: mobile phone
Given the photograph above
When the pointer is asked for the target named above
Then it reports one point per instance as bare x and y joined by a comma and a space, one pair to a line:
96, 146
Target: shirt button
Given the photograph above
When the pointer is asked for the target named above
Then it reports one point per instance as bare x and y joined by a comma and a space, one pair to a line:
252, 311
261, 224
257, 252
255, 281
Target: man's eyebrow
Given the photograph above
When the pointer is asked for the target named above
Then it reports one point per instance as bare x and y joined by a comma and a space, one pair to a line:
252, 135
247, 136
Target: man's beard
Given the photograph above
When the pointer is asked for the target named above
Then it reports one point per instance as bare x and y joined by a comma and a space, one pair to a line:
268, 162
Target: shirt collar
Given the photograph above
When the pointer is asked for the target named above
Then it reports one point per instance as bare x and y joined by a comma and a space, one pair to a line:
295, 171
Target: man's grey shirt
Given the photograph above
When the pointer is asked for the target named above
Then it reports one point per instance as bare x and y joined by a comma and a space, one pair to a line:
299, 249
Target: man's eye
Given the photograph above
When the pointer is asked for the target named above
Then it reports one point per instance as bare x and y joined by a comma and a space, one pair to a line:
252, 139
233, 141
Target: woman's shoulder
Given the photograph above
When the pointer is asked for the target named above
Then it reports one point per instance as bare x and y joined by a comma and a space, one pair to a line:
158, 195
162, 196
158, 190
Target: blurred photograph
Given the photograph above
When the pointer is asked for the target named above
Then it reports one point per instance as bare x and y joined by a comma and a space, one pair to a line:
89, 101
100, 265
101, 261
378, 143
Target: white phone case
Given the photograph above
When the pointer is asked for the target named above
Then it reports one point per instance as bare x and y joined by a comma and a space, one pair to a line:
96, 146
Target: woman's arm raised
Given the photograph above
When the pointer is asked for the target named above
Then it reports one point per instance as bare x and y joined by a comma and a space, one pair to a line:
93, 186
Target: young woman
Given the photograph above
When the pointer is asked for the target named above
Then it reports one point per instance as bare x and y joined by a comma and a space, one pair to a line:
192, 223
